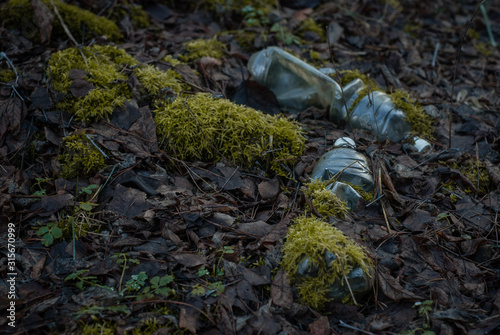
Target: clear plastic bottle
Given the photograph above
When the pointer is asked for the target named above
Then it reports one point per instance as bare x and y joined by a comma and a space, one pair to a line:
297, 85
347, 165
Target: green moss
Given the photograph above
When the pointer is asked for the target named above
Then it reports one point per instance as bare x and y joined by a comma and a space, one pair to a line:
104, 328
310, 25
80, 157
75, 19
474, 171
199, 48
324, 201
349, 75
420, 121
201, 127
173, 61
105, 67
154, 80
7, 75
108, 69
311, 237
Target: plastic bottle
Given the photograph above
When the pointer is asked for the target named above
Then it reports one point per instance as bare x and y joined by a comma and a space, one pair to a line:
297, 85
347, 165
359, 281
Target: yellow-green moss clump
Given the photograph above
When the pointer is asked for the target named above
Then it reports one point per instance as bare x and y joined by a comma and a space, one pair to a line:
80, 157
310, 25
201, 127
313, 238
15, 11
324, 201
199, 48
153, 80
7, 75
106, 70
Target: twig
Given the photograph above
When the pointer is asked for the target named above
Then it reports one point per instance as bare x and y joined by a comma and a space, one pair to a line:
343, 324
66, 30
456, 68
434, 55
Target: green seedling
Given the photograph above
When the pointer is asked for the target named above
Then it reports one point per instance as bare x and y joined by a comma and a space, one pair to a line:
122, 259
136, 283
284, 35
41, 191
82, 281
49, 233
158, 286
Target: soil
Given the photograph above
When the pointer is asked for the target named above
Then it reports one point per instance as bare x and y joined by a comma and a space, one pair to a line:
154, 244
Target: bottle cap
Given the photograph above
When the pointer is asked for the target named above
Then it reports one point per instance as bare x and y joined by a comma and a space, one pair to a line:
421, 144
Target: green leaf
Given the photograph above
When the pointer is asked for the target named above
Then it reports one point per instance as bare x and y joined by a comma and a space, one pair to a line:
86, 206
155, 280
167, 279
47, 239
57, 232
42, 231
163, 291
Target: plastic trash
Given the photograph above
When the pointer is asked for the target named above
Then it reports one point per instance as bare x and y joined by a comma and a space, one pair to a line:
359, 281
325, 265
349, 166
297, 86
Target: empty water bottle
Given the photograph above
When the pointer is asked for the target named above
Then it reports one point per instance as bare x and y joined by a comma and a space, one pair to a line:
297, 85
348, 166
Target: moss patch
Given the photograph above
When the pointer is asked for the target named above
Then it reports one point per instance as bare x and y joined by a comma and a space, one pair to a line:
106, 70
7, 75
311, 237
80, 157
75, 18
103, 68
201, 127
199, 48
324, 201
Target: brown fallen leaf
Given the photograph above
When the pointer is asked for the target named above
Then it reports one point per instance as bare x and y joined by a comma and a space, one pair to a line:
281, 292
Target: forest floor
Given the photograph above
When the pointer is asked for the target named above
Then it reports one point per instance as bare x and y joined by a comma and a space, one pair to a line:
155, 244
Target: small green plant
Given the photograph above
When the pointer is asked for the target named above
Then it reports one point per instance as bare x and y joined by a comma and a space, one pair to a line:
136, 282
283, 34
41, 191
81, 281
50, 232
158, 286
424, 308
254, 17
122, 259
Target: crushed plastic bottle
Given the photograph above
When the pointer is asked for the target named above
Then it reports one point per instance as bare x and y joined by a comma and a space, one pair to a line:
359, 281
297, 86
347, 165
